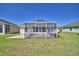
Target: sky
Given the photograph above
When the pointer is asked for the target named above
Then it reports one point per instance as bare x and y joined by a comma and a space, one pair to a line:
19, 13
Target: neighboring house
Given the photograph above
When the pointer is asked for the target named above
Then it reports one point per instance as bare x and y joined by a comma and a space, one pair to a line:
8, 27
39, 28
71, 27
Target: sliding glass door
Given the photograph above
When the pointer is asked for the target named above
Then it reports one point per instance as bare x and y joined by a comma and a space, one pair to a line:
1, 28
7, 28
39, 29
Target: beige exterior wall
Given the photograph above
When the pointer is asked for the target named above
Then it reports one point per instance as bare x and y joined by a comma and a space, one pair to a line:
14, 29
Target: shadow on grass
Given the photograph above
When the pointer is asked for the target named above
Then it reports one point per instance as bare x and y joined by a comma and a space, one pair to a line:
78, 34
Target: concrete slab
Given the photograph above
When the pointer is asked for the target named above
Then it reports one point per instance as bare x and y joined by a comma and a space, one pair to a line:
17, 36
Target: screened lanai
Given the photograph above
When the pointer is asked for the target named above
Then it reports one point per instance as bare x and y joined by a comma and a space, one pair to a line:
40, 28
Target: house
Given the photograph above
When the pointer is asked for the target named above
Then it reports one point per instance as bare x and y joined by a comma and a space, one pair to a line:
39, 29
71, 27
8, 27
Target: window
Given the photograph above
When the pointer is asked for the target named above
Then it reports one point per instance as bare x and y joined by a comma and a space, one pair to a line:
50, 29
70, 29
7, 28
1, 29
36, 29
43, 29
55, 26
39, 28
26, 29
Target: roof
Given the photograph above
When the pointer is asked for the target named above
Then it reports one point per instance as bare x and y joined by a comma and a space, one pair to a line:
73, 24
40, 20
37, 23
7, 22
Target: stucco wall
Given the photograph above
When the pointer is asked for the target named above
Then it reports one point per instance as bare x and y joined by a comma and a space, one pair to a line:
66, 30
14, 28
22, 32
73, 30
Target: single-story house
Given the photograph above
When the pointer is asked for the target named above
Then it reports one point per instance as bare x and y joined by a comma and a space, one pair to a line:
8, 27
39, 28
71, 27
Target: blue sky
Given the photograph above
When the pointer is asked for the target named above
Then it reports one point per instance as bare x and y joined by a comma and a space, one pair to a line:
22, 13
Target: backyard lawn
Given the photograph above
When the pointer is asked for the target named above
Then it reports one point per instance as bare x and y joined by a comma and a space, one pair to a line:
67, 44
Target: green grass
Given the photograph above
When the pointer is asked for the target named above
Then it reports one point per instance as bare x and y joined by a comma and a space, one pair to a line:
66, 45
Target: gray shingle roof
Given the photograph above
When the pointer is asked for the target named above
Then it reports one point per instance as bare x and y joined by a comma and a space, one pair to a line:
73, 24
7, 22
40, 20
